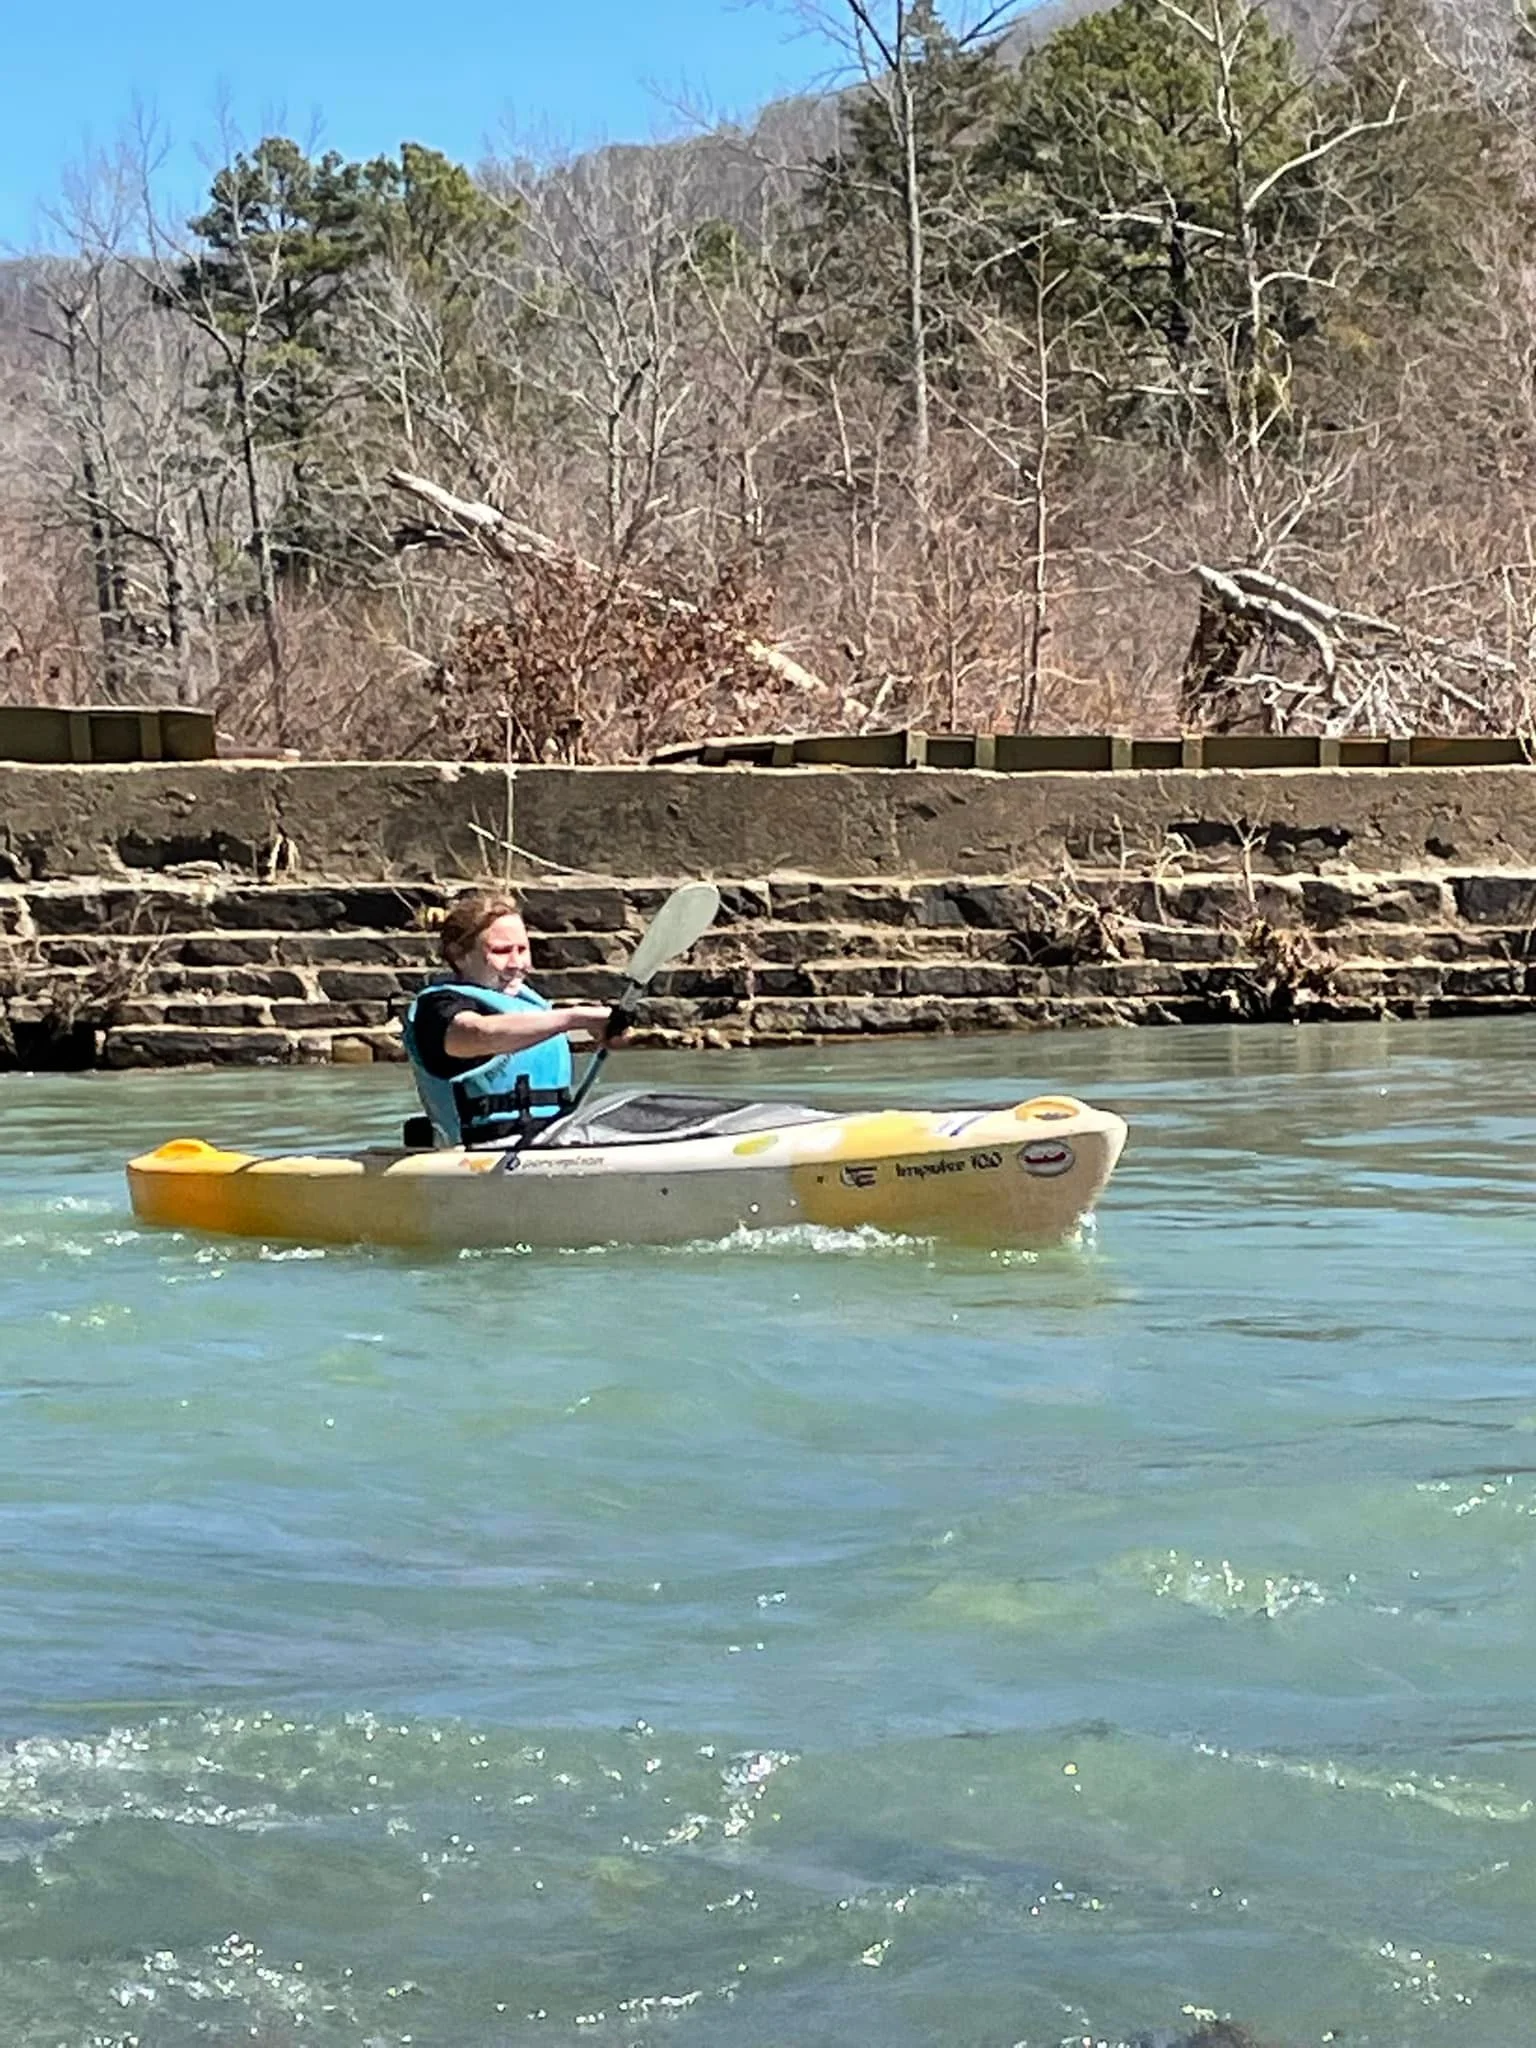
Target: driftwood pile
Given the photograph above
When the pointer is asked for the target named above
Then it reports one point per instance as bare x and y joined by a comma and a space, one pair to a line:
580, 654
1357, 673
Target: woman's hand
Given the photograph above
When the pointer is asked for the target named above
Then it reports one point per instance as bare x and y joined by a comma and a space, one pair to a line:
587, 1024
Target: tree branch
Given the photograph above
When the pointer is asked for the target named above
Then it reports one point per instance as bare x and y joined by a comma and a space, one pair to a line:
509, 541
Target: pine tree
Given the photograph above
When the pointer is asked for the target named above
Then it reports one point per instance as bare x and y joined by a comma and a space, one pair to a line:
1133, 145
279, 241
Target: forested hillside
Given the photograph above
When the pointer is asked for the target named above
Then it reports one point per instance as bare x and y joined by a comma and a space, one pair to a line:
1165, 368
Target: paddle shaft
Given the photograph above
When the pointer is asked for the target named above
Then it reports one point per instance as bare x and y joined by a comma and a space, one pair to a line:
685, 917
619, 1019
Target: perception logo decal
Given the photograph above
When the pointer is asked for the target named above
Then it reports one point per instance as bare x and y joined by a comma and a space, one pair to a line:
1047, 1157
858, 1176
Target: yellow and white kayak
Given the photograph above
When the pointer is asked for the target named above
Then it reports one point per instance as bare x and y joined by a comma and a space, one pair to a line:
639, 1167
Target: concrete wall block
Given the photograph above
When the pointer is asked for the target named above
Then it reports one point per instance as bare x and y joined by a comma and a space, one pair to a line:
1334, 900
840, 1017
224, 981
1140, 897
1485, 978
205, 950
397, 907
575, 907
219, 1012
1123, 978
740, 902
980, 945
780, 981
146, 912
972, 978
278, 910
853, 978
1474, 1006
329, 1016
552, 951
317, 907
877, 1013
357, 984
1219, 902
1508, 899
1176, 944
684, 980
666, 1013
416, 953
866, 903
1387, 981
168, 1046
62, 954
1277, 899
996, 906
386, 1043
216, 1012
995, 1013
744, 903
1407, 942
788, 945
1409, 899
581, 985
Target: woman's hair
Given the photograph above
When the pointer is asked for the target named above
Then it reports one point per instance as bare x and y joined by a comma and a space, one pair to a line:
467, 917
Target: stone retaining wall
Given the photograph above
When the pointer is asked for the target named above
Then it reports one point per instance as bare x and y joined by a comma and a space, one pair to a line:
258, 913
171, 971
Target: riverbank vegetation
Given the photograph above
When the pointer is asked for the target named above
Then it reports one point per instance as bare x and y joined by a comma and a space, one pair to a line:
1174, 368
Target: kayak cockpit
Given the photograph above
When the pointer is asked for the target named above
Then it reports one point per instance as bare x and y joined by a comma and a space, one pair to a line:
640, 1116
637, 1116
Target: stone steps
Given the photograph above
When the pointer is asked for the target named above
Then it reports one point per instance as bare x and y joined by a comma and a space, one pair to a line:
1437, 958
367, 964
167, 969
228, 900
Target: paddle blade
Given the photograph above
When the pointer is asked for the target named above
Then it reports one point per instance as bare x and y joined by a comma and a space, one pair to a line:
684, 918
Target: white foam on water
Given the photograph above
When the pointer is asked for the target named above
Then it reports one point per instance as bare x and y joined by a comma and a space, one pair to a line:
744, 1782
1497, 1496
1460, 1798
819, 1238
1418, 1975
1219, 1588
236, 1974
129, 1773
823, 1239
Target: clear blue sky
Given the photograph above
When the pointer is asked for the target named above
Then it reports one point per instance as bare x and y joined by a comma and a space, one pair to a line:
362, 76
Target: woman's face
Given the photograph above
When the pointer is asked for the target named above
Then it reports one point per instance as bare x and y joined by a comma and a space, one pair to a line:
499, 958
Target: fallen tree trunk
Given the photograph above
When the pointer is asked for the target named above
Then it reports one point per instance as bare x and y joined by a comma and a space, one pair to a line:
505, 539
1364, 673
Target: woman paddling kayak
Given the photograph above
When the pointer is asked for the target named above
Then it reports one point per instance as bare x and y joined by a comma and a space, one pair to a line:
639, 1166
490, 1057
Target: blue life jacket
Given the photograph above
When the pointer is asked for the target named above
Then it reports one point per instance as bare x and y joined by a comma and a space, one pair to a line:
505, 1093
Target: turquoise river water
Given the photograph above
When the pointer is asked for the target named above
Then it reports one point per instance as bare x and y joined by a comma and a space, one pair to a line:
768, 1645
